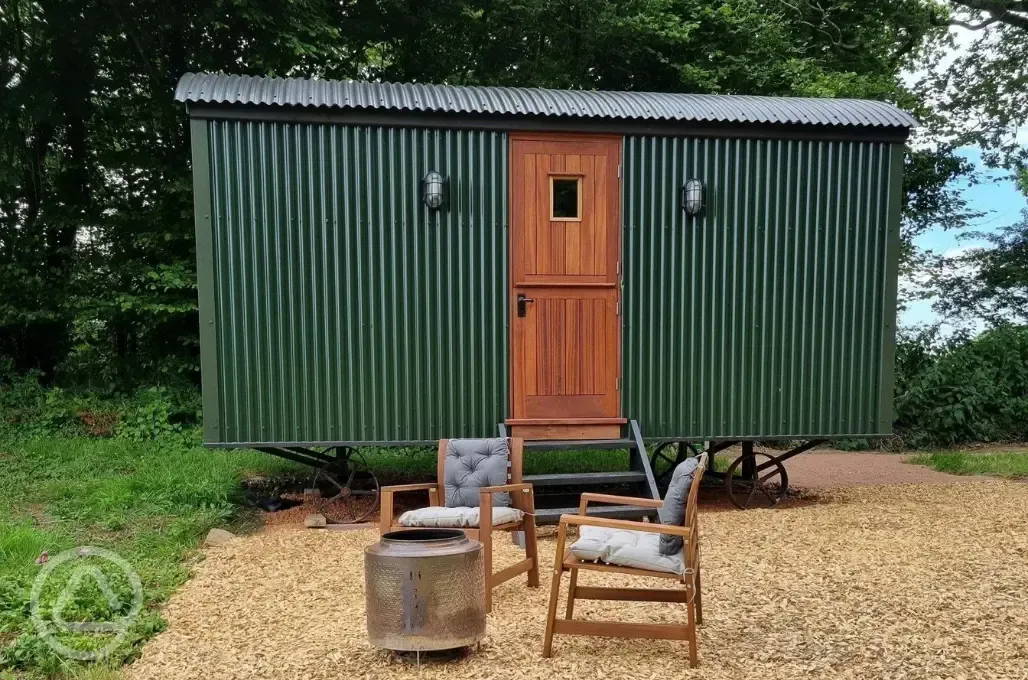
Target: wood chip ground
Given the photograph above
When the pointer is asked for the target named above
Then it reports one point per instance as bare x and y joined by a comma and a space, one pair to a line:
909, 581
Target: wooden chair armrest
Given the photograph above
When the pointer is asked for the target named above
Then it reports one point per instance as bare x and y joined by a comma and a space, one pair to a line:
385, 516
648, 527
506, 487
409, 487
524, 501
621, 500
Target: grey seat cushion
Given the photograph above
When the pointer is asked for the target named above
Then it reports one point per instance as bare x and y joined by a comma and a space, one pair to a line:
456, 517
673, 510
471, 464
637, 549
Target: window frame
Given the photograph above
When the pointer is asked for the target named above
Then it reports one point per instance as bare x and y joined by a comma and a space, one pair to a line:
578, 195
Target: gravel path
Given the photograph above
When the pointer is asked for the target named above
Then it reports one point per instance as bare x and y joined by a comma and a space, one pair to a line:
910, 581
834, 469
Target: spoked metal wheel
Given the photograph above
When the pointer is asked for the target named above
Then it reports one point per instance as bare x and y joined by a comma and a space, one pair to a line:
764, 490
348, 478
667, 456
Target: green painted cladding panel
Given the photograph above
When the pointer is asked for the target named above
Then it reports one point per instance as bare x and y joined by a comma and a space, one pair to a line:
345, 309
773, 313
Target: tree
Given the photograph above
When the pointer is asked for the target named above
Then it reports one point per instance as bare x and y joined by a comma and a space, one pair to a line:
982, 95
981, 99
96, 245
989, 283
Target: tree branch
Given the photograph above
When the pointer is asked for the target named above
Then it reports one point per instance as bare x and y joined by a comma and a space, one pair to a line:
973, 27
1007, 12
835, 39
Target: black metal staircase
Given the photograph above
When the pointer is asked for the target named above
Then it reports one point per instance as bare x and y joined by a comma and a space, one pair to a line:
557, 494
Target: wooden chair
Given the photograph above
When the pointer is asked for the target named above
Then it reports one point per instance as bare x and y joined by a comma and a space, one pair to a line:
522, 498
690, 595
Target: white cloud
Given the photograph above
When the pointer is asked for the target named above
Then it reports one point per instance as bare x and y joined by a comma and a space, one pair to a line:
957, 252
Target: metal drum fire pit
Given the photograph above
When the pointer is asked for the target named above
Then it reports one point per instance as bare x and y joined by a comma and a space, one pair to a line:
425, 590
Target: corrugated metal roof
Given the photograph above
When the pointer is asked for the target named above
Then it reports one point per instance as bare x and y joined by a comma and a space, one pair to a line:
228, 89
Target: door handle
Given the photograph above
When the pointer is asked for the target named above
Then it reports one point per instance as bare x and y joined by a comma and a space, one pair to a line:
521, 303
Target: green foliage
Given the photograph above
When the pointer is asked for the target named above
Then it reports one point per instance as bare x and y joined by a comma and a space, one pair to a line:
167, 417
976, 390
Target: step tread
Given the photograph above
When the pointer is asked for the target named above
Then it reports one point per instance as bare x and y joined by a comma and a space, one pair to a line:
551, 515
574, 478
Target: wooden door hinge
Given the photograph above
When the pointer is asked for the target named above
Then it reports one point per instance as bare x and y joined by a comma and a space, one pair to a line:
617, 384
619, 170
617, 308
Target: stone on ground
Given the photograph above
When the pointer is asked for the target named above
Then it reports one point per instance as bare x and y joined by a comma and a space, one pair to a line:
218, 536
315, 521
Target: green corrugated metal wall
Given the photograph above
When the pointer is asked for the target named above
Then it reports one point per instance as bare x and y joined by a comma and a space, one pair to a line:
344, 309
773, 313
341, 309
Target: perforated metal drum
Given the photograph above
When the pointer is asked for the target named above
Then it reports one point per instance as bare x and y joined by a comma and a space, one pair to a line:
424, 590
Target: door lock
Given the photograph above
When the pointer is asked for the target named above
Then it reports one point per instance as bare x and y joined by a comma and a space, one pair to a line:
521, 303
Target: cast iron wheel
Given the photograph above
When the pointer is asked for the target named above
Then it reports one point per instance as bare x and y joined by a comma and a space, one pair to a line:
348, 478
766, 491
669, 459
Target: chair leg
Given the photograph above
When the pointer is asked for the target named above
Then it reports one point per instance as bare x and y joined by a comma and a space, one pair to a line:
385, 512
486, 539
571, 595
691, 632
698, 596
551, 612
531, 546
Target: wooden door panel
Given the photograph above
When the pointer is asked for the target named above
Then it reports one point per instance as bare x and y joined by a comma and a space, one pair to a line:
569, 339
554, 249
565, 351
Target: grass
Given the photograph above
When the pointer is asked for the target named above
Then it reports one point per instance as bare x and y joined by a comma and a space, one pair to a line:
1011, 464
151, 504
393, 465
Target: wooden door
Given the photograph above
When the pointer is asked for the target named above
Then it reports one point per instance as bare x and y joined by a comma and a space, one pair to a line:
565, 249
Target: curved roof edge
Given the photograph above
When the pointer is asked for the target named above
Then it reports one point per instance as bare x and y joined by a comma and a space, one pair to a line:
587, 104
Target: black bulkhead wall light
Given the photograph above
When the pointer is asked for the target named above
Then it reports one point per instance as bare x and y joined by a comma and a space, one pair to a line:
433, 190
692, 197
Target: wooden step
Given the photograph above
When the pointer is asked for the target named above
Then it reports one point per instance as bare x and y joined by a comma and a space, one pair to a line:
552, 515
589, 478
579, 444
567, 431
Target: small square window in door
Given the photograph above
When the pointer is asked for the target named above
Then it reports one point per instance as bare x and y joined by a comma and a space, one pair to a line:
565, 198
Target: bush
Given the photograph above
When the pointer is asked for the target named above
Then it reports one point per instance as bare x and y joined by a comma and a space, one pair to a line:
975, 390
167, 415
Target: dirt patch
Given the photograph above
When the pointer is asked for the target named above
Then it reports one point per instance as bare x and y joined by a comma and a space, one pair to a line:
338, 511
714, 498
813, 471
912, 581
834, 469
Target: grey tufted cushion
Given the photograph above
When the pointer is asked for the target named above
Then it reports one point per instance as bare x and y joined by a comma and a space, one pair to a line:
673, 511
471, 464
